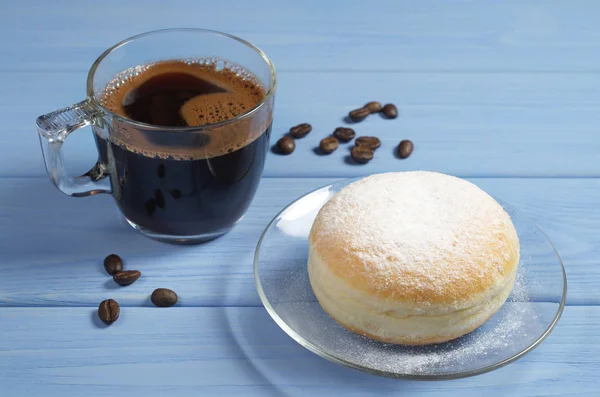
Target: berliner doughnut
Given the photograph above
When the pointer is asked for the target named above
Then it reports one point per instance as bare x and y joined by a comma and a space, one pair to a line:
412, 257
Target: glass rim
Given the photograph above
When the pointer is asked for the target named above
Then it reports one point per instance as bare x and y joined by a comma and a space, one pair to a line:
141, 125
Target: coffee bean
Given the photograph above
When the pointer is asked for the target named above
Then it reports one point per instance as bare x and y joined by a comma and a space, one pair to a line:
163, 297
372, 142
286, 145
374, 107
126, 277
300, 131
361, 154
359, 114
390, 111
150, 206
176, 193
108, 311
329, 144
344, 134
113, 264
405, 148
159, 198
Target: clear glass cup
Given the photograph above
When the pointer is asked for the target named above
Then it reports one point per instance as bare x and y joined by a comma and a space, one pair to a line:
175, 184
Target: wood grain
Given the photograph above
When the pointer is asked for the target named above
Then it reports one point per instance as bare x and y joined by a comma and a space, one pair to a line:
508, 36
511, 125
505, 92
53, 253
241, 351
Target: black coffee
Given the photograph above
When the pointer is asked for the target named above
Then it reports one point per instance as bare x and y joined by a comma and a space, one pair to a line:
206, 188
159, 100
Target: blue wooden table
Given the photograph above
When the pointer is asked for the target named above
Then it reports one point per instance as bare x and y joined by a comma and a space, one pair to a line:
504, 93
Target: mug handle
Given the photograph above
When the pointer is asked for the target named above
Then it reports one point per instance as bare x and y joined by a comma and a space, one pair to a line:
53, 129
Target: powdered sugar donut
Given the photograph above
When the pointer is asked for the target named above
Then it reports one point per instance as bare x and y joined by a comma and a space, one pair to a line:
412, 257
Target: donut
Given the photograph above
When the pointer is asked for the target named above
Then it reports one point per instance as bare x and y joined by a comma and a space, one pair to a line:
412, 258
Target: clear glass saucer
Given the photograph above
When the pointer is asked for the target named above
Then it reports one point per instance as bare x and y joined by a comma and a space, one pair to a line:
525, 320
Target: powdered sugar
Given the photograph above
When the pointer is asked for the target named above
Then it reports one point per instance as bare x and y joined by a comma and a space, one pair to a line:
530, 311
432, 228
512, 329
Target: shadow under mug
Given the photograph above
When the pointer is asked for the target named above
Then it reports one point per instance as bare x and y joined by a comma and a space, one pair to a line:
175, 184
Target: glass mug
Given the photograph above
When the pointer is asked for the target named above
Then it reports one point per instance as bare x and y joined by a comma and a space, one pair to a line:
175, 184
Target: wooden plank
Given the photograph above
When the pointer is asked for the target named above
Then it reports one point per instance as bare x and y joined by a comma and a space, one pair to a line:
464, 124
485, 89
524, 35
53, 245
241, 351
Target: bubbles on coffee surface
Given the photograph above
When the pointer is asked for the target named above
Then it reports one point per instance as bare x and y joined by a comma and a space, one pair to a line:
156, 93
184, 93
210, 109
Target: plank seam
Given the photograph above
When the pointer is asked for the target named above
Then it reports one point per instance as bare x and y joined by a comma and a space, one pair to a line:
358, 71
213, 306
301, 176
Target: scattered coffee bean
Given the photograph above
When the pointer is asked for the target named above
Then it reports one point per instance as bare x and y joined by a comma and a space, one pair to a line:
286, 145
405, 148
361, 154
176, 193
150, 206
329, 144
344, 134
300, 131
359, 114
113, 264
374, 107
108, 311
159, 198
390, 111
126, 277
372, 142
163, 297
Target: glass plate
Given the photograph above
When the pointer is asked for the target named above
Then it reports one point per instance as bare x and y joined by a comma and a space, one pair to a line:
528, 316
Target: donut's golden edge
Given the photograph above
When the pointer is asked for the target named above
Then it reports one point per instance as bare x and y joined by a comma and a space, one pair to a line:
376, 308
367, 316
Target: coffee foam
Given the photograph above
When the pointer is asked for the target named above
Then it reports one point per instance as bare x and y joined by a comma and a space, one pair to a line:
242, 92
209, 109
